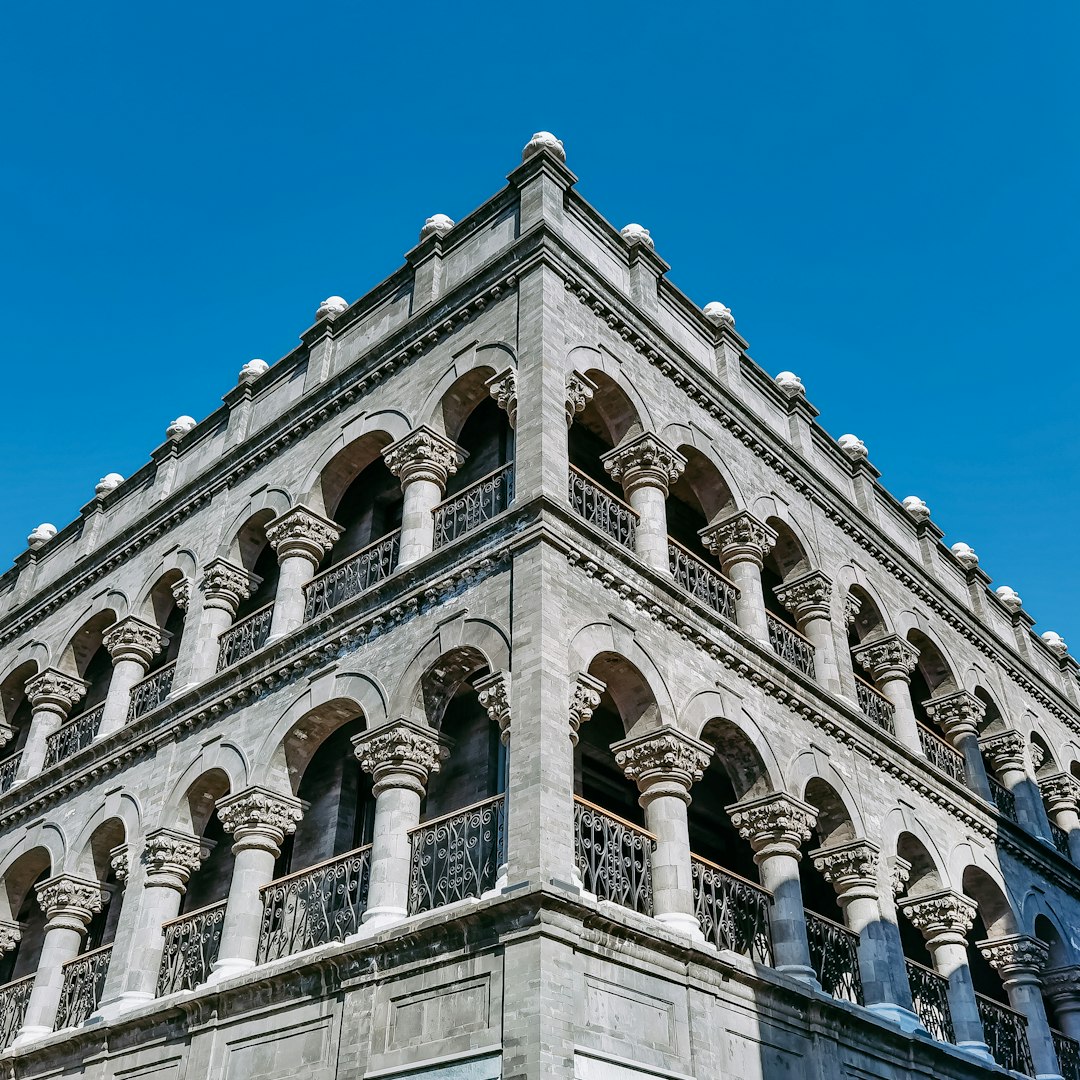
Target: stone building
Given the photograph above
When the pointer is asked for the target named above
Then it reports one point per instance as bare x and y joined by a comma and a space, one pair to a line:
515, 681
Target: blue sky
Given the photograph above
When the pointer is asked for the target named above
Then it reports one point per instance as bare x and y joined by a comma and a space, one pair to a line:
885, 195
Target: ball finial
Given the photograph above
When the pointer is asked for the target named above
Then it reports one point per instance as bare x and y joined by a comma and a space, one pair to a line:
790, 383
718, 314
41, 535
965, 555
1055, 643
636, 234
109, 482
179, 428
917, 508
854, 447
1009, 597
544, 140
436, 225
331, 308
253, 369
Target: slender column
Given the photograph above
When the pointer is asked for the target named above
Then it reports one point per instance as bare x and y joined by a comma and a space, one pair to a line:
423, 461
647, 467
944, 919
301, 538
1062, 986
741, 543
777, 826
1006, 753
664, 764
807, 598
259, 820
401, 757
890, 662
494, 694
69, 903
960, 715
51, 694
1061, 794
132, 644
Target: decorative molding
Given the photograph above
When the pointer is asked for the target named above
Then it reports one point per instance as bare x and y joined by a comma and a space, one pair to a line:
899, 874
119, 860
181, 592
10, 935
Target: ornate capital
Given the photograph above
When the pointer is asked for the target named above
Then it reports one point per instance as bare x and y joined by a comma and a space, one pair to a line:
644, 461
225, 584
663, 762
806, 597
899, 873
119, 860
55, 690
1060, 792
1062, 986
585, 696
1016, 958
852, 607
424, 454
849, 868
739, 538
1004, 751
400, 754
579, 392
181, 592
259, 816
134, 639
10, 935
503, 388
942, 917
302, 533
887, 658
493, 692
776, 824
70, 901
171, 857
958, 714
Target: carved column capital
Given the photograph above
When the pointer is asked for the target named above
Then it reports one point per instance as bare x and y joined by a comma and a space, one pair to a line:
134, 639
1062, 986
852, 607
644, 461
806, 597
1017, 958
70, 901
899, 874
424, 454
493, 693
851, 868
741, 537
579, 392
10, 935
224, 585
503, 388
181, 591
302, 533
776, 824
400, 754
585, 694
958, 714
887, 658
171, 857
663, 762
53, 689
259, 817
1061, 792
1005, 751
943, 918
120, 861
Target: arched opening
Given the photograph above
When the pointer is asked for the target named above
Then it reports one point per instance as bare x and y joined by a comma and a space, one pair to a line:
16, 705
786, 561
253, 552
162, 610
210, 883
20, 897
932, 677
1043, 760
606, 420
923, 879
105, 840
867, 622
993, 919
1057, 957
87, 657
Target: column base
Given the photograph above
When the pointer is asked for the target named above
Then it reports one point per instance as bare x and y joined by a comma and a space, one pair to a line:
227, 968
800, 972
375, 919
978, 1050
30, 1034
118, 1006
903, 1018
682, 923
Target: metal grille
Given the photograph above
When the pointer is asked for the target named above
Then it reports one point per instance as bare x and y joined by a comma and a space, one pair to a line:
875, 705
602, 509
614, 857
701, 581
9, 769
74, 736
1068, 1055
352, 577
790, 645
1006, 1035
834, 956
1003, 798
151, 692
191, 947
930, 996
1057, 833
245, 637
84, 979
942, 756
733, 912
469, 509
14, 997
315, 906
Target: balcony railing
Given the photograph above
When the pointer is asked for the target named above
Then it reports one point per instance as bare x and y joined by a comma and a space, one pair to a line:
1057, 833
1003, 798
1068, 1055
84, 979
352, 577
602, 509
191, 947
875, 705
14, 997
702, 581
245, 637
73, 736
151, 692
930, 996
834, 956
457, 855
790, 645
733, 912
614, 857
469, 509
9, 769
315, 906
941, 755
1005, 1031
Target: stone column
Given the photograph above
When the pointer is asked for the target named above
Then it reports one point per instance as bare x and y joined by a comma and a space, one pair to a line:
777, 826
664, 764
51, 694
959, 715
944, 919
647, 467
423, 461
132, 644
301, 538
1006, 753
401, 757
807, 598
259, 820
1061, 794
741, 543
1062, 986
494, 694
890, 662
69, 903
1018, 959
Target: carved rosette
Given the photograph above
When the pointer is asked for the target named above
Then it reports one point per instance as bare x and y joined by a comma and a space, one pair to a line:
958, 714
776, 824
585, 697
579, 392
133, 639
1017, 958
424, 454
887, 658
943, 918
503, 388
53, 690
225, 585
739, 538
807, 597
400, 754
301, 533
852, 607
259, 817
1062, 986
899, 874
493, 693
1060, 792
171, 858
181, 592
10, 935
644, 461
70, 901
119, 860
851, 869
663, 763
1004, 751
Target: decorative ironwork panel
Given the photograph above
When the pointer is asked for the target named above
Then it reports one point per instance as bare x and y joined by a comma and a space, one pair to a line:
834, 956
151, 692
600, 508
701, 581
457, 856
1004, 799
9, 769
1059, 835
191, 947
84, 979
733, 912
790, 645
1068, 1055
614, 857
875, 705
74, 736
352, 577
942, 756
469, 509
930, 995
14, 997
245, 637
1006, 1035
315, 906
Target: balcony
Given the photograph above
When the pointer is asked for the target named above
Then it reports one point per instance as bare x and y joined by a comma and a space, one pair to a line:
14, 997
73, 736
245, 637
352, 577
1068, 1055
1057, 833
930, 996
614, 857
790, 645
733, 913
9, 769
1005, 801
834, 956
941, 755
84, 979
1006, 1035
701, 581
602, 509
191, 947
875, 705
151, 692
474, 506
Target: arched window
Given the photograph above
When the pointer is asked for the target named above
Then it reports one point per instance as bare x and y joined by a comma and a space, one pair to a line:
16, 705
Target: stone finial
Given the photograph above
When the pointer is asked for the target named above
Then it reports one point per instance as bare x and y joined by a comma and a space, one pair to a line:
636, 234
806, 597
790, 384
719, 314
959, 714
887, 658
259, 813
400, 754
53, 689
585, 697
179, 428
331, 308
436, 225
579, 392
663, 762
965, 555
544, 140
854, 447
644, 461
1009, 597
224, 585
109, 482
424, 454
134, 639
41, 535
253, 369
493, 693
740, 537
774, 824
301, 532
916, 508
1015, 956
1054, 642
941, 917
503, 388
70, 900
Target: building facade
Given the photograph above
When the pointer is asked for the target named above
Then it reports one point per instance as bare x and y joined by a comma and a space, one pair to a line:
515, 681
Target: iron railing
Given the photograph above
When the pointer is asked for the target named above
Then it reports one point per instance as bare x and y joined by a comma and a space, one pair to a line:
457, 855
9, 769
151, 692
614, 857
14, 997
602, 509
941, 755
702, 581
245, 637
1068, 1055
191, 947
315, 906
1057, 833
834, 956
790, 645
875, 705
930, 996
73, 736
352, 577
1004, 799
1005, 1031
469, 509
84, 979
733, 913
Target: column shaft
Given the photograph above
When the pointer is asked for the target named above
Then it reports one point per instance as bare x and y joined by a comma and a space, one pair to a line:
289, 601
44, 720
820, 632
138, 948
897, 691
397, 810
650, 534
127, 671
62, 943
421, 496
787, 919
750, 602
951, 961
252, 869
